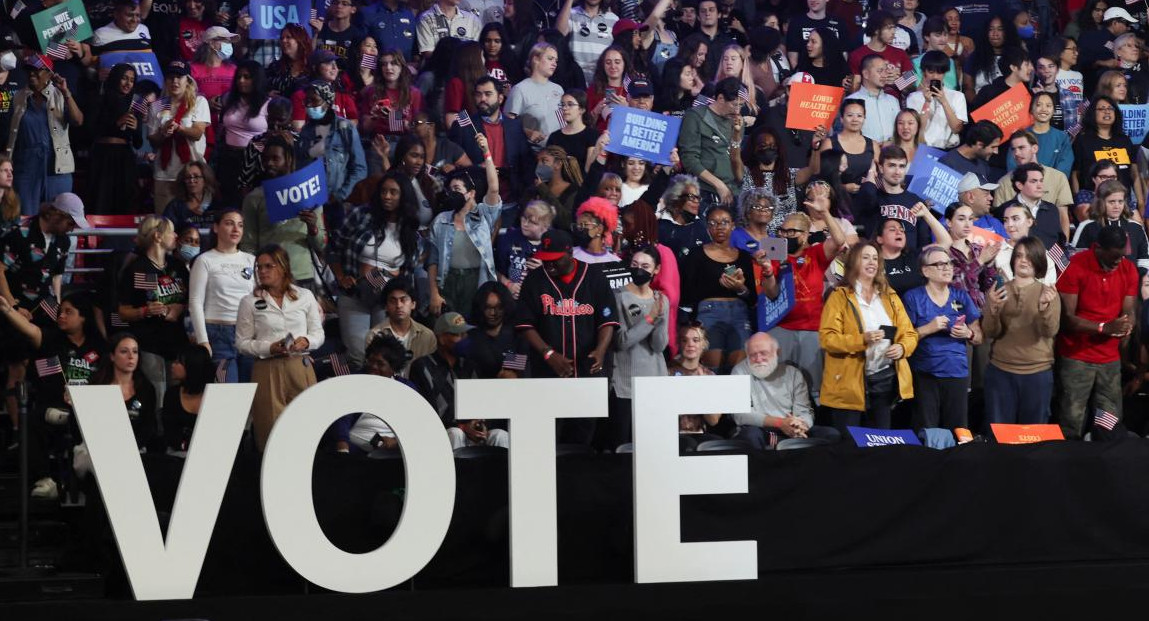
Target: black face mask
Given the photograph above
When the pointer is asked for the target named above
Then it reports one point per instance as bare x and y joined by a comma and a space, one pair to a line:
580, 238
767, 156
455, 200
793, 245
640, 276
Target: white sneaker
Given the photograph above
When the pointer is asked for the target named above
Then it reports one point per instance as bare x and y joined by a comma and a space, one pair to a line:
45, 488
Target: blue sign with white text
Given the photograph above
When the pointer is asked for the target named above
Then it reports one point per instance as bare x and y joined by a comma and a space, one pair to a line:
286, 196
865, 437
642, 134
771, 312
270, 16
1136, 121
146, 64
924, 158
938, 183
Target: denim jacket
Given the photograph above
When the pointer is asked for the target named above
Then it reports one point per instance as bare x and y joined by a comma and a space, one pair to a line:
343, 156
478, 224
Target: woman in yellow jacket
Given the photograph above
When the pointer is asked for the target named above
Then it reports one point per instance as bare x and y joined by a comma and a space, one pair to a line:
868, 338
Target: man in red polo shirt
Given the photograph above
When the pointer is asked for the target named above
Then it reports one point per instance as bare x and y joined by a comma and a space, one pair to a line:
1097, 294
797, 332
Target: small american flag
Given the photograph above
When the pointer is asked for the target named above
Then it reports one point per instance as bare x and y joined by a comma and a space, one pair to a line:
58, 50
338, 364
139, 106
377, 279
1060, 259
396, 122
145, 282
1073, 131
117, 321
906, 80
17, 8
1103, 419
743, 93
221, 371
164, 103
464, 119
49, 366
515, 362
50, 308
559, 116
369, 62
38, 61
702, 100
626, 83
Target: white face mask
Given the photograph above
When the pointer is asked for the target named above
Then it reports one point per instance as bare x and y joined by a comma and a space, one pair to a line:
225, 51
7, 61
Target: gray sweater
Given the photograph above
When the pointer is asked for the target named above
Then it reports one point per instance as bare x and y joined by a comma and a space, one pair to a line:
782, 393
638, 343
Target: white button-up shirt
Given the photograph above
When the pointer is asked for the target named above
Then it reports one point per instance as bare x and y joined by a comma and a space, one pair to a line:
881, 111
262, 322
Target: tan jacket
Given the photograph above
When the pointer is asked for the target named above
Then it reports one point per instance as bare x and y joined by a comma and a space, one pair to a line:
422, 343
57, 124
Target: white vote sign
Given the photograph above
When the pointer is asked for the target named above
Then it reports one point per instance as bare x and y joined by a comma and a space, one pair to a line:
159, 569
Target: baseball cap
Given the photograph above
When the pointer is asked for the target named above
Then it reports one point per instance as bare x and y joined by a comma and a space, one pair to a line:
555, 245
897, 8
1118, 13
321, 56
177, 68
624, 25
971, 181
640, 88
71, 204
219, 32
451, 323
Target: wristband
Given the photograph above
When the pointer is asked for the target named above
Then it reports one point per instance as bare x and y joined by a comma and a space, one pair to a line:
548, 354
1101, 328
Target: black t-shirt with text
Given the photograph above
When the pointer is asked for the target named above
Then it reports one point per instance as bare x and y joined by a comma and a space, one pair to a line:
142, 282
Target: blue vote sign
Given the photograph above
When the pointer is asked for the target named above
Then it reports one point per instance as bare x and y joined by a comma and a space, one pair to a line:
286, 196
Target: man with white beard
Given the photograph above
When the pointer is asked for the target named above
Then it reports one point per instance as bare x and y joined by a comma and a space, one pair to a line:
779, 397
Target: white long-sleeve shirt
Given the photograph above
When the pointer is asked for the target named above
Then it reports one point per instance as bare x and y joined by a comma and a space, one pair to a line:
262, 322
217, 284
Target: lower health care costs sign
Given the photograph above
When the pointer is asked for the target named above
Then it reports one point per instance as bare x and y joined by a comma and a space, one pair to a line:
642, 134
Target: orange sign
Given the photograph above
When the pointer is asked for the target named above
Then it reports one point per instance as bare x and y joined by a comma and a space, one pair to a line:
1025, 434
812, 105
1117, 155
1009, 110
984, 237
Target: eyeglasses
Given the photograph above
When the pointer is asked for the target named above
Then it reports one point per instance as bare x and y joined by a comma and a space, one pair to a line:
792, 232
1105, 109
720, 224
941, 265
691, 197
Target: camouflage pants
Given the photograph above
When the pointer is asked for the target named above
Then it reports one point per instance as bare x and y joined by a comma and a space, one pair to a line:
1079, 381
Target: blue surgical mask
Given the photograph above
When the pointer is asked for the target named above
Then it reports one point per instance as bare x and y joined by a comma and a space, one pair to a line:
187, 253
226, 50
1025, 32
316, 113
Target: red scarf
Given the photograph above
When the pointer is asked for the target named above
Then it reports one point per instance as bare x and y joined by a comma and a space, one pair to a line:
183, 147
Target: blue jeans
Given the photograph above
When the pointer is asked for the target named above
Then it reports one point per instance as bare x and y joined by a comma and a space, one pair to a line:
727, 324
1017, 399
759, 437
355, 319
222, 341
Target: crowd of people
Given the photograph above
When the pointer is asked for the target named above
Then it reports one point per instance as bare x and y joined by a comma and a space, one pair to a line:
478, 224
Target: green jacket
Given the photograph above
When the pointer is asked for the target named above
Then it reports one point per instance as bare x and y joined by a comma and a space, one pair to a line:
291, 234
704, 144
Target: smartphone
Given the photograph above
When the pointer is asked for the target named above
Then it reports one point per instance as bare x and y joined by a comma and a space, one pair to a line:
775, 249
936, 85
999, 281
730, 270
960, 320
889, 331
